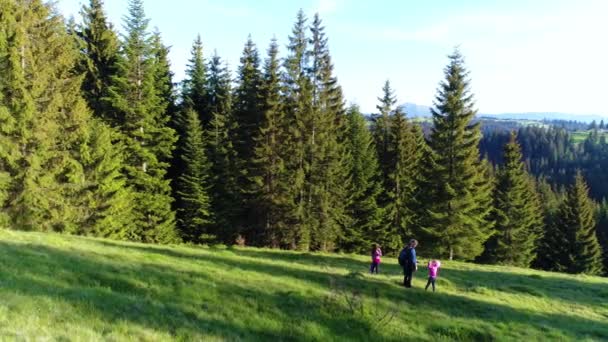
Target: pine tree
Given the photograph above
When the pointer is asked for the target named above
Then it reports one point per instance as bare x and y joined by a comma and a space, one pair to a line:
59, 171
247, 115
517, 212
223, 187
459, 198
140, 96
271, 188
326, 163
194, 86
550, 242
576, 225
99, 57
404, 156
365, 186
298, 101
382, 130
193, 205
106, 200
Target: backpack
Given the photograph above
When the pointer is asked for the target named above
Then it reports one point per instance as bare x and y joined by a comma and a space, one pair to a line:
404, 257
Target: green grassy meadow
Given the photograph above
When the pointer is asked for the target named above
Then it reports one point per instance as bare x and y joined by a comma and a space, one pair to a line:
57, 287
580, 136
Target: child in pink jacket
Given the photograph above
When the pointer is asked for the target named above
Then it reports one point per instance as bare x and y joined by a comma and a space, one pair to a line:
376, 255
433, 270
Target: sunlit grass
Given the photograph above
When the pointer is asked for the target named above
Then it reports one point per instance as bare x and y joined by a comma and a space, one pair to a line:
58, 287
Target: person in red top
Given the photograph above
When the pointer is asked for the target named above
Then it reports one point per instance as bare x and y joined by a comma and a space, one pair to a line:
376, 254
433, 270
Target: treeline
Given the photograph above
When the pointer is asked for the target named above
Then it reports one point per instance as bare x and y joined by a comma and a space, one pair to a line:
97, 140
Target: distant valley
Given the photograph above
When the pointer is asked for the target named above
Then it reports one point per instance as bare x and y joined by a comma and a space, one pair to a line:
416, 110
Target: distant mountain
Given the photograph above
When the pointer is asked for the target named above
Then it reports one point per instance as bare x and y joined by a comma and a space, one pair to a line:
416, 110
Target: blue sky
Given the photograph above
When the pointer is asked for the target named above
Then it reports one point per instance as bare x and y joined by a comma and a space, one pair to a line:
524, 56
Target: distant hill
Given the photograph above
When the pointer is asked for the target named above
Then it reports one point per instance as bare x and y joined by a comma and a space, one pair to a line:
416, 110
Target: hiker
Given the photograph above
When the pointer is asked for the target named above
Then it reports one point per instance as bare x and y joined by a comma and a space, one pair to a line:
433, 267
407, 260
376, 254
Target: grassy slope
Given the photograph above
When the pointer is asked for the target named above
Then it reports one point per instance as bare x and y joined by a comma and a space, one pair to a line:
88, 289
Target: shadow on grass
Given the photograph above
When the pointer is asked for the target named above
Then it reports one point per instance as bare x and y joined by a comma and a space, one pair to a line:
68, 276
558, 288
148, 295
451, 305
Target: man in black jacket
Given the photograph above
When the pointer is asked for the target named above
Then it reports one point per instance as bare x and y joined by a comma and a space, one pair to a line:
407, 259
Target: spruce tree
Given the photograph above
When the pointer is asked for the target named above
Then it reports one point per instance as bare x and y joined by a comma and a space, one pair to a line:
141, 97
298, 101
194, 86
549, 244
326, 160
221, 154
382, 129
404, 157
99, 47
193, 204
247, 115
576, 225
365, 186
459, 196
271, 187
517, 212
59, 171
107, 203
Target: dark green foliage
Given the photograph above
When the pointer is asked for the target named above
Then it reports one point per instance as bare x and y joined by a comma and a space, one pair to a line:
271, 187
221, 153
194, 93
404, 157
382, 129
577, 229
141, 95
458, 194
247, 114
325, 160
99, 46
602, 231
366, 186
517, 213
298, 100
107, 203
193, 205
59, 168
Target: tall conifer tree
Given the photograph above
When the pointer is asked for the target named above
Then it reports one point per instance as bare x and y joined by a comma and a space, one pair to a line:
327, 166
382, 129
298, 101
404, 163
99, 48
61, 172
140, 95
576, 226
194, 86
271, 187
193, 203
221, 154
517, 212
459, 201
247, 115
365, 187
